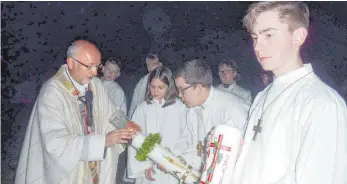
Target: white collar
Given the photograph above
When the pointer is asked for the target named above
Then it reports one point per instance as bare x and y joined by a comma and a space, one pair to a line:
157, 102
209, 99
232, 85
293, 75
81, 88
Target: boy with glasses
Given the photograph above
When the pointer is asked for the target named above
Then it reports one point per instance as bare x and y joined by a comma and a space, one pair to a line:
208, 107
228, 74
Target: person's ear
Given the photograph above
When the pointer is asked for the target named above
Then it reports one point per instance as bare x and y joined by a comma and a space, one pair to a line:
234, 73
299, 36
70, 62
199, 87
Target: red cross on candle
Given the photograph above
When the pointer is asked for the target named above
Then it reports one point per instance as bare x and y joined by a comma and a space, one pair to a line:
218, 147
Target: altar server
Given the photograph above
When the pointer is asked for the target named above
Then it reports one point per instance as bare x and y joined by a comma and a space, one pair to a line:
229, 74
111, 71
208, 107
297, 130
163, 113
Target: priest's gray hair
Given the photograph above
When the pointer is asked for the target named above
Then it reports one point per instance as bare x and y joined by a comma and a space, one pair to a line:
195, 72
71, 50
164, 74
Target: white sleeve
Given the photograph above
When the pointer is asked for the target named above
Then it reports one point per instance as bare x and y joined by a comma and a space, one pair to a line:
135, 169
135, 99
123, 102
93, 147
238, 114
116, 95
189, 141
323, 154
63, 148
249, 97
323, 151
182, 144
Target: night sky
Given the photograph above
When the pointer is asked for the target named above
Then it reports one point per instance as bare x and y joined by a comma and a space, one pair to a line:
35, 35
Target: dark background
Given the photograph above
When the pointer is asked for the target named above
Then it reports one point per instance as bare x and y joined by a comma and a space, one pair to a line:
35, 35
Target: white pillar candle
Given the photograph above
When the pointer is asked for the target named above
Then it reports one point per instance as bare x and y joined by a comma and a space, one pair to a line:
174, 165
221, 155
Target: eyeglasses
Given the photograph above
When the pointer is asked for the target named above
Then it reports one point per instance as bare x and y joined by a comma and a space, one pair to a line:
181, 91
89, 67
224, 71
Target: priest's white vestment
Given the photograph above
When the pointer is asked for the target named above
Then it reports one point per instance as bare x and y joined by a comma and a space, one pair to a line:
221, 107
238, 90
56, 149
116, 94
303, 138
170, 122
139, 94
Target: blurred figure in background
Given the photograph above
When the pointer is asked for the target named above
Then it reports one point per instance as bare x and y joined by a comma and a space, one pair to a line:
228, 74
111, 71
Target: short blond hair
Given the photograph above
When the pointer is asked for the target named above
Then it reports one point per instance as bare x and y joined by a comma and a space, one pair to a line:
295, 14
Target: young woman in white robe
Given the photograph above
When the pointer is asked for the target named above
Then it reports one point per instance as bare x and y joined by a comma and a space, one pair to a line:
161, 113
152, 61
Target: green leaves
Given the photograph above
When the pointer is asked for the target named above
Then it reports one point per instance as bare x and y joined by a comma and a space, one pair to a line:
148, 144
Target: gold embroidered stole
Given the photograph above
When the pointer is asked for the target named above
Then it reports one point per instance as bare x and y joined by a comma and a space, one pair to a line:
67, 84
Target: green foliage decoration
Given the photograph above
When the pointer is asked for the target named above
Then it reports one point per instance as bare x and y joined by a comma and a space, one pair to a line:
148, 144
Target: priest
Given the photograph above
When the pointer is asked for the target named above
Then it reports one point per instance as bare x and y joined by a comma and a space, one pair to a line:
297, 129
69, 138
208, 107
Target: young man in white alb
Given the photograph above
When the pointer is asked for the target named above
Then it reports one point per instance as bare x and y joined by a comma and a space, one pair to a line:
208, 107
297, 129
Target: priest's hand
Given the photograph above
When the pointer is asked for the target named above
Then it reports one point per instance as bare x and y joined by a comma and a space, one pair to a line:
149, 174
119, 136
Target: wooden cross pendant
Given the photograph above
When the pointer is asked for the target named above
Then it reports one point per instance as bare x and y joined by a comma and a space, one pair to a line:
199, 148
257, 129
